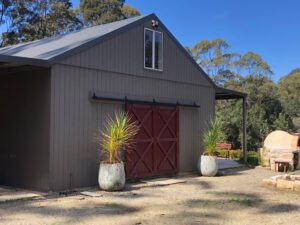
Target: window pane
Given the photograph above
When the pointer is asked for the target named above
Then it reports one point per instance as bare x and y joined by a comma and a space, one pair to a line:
158, 51
148, 48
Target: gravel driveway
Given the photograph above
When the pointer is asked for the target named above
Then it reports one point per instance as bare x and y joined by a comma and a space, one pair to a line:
236, 198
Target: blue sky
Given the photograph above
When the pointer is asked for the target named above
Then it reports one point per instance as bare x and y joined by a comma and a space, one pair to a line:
270, 28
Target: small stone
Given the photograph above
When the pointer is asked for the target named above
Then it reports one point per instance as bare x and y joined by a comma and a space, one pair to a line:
285, 184
277, 177
297, 186
269, 182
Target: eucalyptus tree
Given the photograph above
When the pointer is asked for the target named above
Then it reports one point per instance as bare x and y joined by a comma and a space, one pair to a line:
28, 20
289, 89
95, 12
248, 73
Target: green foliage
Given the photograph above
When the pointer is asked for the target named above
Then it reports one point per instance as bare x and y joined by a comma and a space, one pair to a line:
24, 21
214, 58
253, 158
249, 73
222, 153
31, 20
97, 12
296, 123
129, 11
236, 154
289, 89
284, 122
4, 7
253, 64
212, 136
117, 135
230, 115
233, 154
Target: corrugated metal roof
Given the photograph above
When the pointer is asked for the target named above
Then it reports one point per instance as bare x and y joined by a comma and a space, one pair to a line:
45, 52
51, 47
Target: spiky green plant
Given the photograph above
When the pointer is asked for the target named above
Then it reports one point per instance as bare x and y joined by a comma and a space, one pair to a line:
212, 136
117, 135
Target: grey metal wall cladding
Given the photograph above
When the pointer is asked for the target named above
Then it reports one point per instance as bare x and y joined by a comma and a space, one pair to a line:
24, 130
116, 66
125, 54
75, 120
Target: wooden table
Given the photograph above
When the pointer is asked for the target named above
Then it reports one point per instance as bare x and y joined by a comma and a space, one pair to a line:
285, 165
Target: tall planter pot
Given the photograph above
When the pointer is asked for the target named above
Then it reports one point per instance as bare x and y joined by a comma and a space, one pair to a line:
111, 176
208, 165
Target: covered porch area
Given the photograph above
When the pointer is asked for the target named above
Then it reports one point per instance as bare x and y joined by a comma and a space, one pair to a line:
227, 94
25, 121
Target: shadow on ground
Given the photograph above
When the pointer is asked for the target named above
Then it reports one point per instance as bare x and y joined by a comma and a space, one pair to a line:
234, 172
239, 201
84, 210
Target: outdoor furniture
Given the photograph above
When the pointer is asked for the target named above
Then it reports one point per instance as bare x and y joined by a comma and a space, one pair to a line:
283, 163
224, 146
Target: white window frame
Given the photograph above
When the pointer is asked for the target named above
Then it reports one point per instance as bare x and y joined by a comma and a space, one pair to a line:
153, 50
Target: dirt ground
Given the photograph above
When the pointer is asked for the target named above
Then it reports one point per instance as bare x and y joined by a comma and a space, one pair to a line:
236, 198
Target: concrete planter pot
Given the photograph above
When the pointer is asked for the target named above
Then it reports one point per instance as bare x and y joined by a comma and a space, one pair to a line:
208, 166
111, 176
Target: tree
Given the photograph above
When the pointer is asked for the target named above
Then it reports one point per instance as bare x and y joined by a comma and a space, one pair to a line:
289, 90
35, 19
265, 112
129, 11
248, 73
284, 122
253, 64
96, 12
4, 6
214, 57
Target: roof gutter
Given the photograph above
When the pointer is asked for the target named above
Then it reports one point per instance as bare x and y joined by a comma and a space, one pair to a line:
24, 61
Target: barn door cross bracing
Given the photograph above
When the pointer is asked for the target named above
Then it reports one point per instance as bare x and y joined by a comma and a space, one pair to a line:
155, 150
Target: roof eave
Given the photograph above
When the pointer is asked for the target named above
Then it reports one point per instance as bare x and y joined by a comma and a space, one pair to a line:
17, 60
224, 93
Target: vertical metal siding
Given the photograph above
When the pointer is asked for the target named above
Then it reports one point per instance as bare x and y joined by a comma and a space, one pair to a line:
24, 134
116, 66
74, 126
75, 120
125, 54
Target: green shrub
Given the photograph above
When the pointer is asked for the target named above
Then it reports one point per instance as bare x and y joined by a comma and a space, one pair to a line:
236, 154
222, 153
253, 158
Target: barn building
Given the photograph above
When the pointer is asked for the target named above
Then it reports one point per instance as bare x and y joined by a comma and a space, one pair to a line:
57, 92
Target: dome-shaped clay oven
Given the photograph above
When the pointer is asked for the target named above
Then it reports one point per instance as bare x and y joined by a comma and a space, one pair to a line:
281, 140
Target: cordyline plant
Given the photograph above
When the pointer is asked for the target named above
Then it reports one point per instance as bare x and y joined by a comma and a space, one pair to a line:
212, 136
117, 135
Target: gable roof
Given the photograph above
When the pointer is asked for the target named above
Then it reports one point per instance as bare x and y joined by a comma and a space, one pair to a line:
50, 50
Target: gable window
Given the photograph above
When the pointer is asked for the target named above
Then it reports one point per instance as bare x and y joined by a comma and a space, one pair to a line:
153, 53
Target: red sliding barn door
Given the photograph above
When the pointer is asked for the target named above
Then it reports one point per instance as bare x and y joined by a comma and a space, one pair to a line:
155, 149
